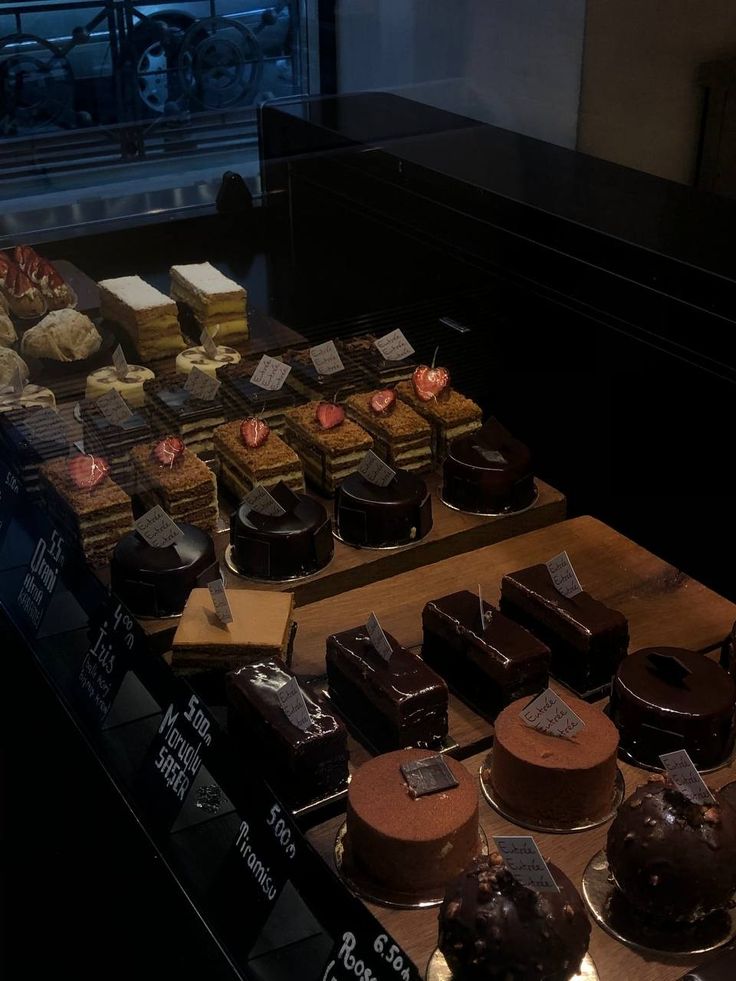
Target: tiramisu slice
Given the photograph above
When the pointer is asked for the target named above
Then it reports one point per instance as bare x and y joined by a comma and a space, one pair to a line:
402, 437
147, 315
169, 474
330, 445
83, 496
449, 413
216, 302
174, 410
251, 454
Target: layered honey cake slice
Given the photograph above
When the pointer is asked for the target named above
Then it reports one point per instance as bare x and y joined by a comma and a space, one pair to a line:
175, 410
449, 413
169, 474
330, 445
148, 316
216, 302
251, 454
402, 437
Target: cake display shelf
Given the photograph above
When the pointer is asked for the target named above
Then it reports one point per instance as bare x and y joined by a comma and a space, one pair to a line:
489, 795
611, 911
437, 969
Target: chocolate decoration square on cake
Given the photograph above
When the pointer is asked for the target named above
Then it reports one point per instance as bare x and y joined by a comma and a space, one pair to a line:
488, 664
394, 703
303, 765
588, 640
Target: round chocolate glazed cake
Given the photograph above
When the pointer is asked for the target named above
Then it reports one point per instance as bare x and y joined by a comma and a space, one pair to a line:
371, 516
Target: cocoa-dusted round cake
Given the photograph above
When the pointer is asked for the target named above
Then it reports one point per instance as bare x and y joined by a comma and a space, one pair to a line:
378, 517
156, 582
671, 858
488, 472
298, 543
666, 698
403, 844
550, 780
492, 928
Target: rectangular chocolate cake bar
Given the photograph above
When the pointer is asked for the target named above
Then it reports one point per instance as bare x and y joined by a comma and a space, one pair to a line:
402, 438
241, 398
396, 703
305, 379
186, 489
379, 371
177, 413
304, 765
328, 455
488, 664
114, 443
587, 639
450, 416
242, 467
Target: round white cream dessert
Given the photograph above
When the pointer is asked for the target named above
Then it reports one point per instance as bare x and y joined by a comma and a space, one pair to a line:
106, 379
197, 357
32, 397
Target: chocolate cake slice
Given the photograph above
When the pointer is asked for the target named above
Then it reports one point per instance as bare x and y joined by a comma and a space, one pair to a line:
588, 640
303, 765
394, 704
489, 663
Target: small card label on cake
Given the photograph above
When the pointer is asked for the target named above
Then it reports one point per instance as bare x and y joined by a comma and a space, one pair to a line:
492, 456
208, 343
158, 529
485, 615
220, 601
563, 576
262, 501
120, 363
378, 637
428, 776
326, 359
293, 704
202, 386
16, 381
549, 713
375, 470
524, 861
394, 346
114, 407
270, 374
681, 770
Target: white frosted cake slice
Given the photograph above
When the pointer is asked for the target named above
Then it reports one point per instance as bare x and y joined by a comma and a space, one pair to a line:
217, 303
149, 316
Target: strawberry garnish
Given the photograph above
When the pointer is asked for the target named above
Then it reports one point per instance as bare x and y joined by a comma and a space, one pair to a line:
87, 472
383, 402
330, 414
430, 383
168, 451
254, 432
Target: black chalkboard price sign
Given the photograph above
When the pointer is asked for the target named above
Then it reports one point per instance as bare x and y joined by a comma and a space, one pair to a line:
364, 953
42, 576
9, 498
112, 640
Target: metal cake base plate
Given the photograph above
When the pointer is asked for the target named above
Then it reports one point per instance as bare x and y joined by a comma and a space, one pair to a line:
628, 758
437, 969
488, 793
266, 582
373, 892
492, 514
611, 911
377, 548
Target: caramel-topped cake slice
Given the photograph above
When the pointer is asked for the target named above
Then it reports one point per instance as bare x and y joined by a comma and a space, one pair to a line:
147, 315
251, 454
169, 474
330, 446
402, 437
450, 414
217, 303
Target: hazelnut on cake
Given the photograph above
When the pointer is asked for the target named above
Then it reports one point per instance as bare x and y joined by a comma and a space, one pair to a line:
148, 316
251, 454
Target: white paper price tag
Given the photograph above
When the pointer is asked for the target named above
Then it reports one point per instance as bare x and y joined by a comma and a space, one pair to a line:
492, 456
208, 343
563, 576
375, 470
120, 363
220, 601
270, 374
200, 385
524, 861
262, 501
394, 346
681, 770
378, 637
326, 359
550, 714
294, 707
158, 529
114, 407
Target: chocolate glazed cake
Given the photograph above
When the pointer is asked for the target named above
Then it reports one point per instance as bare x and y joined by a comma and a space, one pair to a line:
395, 703
488, 472
299, 543
492, 928
665, 698
370, 516
588, 640
156, 582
